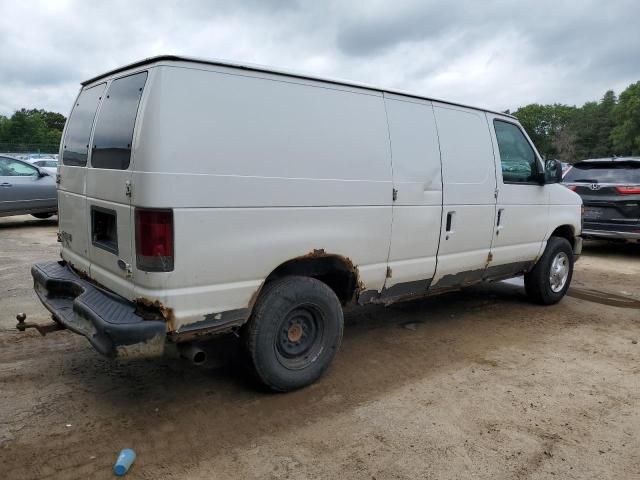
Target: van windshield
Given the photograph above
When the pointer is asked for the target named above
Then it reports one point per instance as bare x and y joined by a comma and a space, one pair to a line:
76, 139
114, 128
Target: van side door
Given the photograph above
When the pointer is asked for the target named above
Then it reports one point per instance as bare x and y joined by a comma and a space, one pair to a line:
522, 204
469, 185
417, 208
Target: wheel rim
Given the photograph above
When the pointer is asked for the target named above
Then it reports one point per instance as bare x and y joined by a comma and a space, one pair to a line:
559, 272
298, 342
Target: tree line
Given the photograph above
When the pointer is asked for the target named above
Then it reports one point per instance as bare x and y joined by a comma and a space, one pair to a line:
606, 128
31, 131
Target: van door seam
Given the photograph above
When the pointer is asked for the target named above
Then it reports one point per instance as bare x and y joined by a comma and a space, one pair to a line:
386, 114
435, 122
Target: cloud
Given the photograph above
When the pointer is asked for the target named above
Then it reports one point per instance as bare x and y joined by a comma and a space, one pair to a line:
498, 54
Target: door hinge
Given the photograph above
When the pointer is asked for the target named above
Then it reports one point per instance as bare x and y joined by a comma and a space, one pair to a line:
490, 257
395, 194
58, 179
495, 193
128, 188
389, 272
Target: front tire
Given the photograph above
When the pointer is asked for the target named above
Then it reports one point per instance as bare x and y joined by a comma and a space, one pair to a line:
294, 332
549, 280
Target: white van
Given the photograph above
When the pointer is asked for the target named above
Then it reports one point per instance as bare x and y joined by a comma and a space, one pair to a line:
202, 197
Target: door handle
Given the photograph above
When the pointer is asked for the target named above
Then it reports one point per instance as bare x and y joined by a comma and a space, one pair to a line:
449, 221
5, 184
499, 221
450, 224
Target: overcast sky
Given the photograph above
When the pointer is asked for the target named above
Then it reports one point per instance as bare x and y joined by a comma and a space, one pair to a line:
495, 54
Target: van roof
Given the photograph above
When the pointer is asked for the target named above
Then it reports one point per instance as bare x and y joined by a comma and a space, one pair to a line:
261, 68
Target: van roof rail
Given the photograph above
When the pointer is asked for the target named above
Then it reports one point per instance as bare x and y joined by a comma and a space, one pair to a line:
263, 68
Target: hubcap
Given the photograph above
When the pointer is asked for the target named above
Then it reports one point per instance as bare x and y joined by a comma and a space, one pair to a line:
559, 272
299, 339
295, 333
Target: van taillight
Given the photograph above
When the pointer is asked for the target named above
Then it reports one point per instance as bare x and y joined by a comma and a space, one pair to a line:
629, 190
154, 240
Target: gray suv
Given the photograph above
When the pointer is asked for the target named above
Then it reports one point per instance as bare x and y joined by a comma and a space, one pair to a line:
610, 191
26, 189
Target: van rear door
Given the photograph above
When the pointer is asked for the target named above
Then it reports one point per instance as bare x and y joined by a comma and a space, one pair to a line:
108, 201
72, 171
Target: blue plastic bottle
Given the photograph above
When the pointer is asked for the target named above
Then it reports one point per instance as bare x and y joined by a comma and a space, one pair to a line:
124, 461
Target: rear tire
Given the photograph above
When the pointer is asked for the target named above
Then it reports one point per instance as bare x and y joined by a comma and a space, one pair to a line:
549, 280
294, 332
42, 216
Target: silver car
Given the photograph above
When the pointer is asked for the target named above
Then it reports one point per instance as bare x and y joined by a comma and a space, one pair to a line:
49, 165
26, 189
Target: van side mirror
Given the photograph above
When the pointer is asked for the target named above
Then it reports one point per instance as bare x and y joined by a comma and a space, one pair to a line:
552, 171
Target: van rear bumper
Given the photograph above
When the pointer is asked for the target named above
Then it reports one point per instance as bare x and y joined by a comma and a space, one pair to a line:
108, 321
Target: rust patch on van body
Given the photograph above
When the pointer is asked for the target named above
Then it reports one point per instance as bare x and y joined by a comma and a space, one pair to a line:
155, 310
461, 279
316, 252
217, 323
81, 273
350, 267
212, 324
320, 253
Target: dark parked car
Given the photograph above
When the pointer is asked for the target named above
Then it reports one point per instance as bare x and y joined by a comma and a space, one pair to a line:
610, 191
24, 188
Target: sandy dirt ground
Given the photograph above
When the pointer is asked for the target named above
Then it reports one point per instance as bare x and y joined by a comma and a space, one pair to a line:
475, 384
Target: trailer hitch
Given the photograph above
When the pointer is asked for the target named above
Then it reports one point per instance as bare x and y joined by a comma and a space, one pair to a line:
42, 329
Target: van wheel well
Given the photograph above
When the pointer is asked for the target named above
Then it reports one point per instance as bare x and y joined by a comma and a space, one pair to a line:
336, 271
565, 231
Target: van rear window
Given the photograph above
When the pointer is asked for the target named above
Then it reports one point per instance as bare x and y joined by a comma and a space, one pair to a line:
76, 139
114, 128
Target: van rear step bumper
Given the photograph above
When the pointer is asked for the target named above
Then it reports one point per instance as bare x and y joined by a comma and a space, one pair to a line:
108, 321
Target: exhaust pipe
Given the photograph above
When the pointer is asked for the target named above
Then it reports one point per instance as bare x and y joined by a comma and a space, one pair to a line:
193, 353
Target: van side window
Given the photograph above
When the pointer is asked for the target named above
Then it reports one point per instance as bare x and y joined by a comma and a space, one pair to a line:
518, 160
114, 128
76, 139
